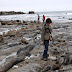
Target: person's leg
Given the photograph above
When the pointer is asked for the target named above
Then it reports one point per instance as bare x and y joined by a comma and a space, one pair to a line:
43, 21
46, 43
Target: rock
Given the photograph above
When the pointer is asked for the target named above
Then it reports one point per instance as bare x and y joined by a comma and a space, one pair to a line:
60, 40
9, 23
13, 44
55, 67
33, 67
10, 13
23, 40
67, 59
12, 60
52, 58
70, 18
28, 48
1, 38
46, 69
55, 52
4, 23
12, 33
31, 12
69, 38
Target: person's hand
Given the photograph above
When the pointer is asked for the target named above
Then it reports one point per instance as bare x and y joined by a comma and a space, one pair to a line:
42, 42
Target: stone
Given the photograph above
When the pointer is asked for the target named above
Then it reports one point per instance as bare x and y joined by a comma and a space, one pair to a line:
13, 44
23, 40
12, 32
1, 38
31, 12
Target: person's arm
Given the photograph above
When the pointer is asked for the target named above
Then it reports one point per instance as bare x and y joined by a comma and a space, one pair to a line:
50, 33
50, 37
43, 34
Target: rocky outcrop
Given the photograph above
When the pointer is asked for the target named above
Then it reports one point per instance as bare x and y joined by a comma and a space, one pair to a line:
31, 12
20, 56
10, 13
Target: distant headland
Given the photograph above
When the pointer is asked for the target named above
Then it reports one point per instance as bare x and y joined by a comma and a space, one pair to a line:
13, 12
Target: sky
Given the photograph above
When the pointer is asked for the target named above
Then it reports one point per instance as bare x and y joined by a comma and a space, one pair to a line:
35, 5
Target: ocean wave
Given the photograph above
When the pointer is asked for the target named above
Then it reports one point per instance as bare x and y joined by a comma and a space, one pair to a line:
69, 13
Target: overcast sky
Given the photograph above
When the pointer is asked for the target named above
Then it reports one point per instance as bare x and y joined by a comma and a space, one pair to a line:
35, 5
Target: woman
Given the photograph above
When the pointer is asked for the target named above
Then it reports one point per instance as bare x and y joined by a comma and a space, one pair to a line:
45, 37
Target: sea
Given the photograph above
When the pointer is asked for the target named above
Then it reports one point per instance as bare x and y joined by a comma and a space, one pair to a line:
56, 16
60, 16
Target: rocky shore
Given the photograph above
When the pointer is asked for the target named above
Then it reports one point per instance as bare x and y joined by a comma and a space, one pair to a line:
21, 49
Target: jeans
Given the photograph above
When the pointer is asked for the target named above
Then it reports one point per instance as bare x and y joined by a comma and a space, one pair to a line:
46, 44
43, 21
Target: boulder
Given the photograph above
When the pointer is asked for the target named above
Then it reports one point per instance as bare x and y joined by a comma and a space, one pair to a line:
31, 12
23, 40
12, 33
12, 60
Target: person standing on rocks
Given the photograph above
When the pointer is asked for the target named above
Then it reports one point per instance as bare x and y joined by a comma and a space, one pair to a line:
38, 18
45, 37
43, 19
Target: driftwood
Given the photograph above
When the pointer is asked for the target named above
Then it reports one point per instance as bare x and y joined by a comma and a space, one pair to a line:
20, 56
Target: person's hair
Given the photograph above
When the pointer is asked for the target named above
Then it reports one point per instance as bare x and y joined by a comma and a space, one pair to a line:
48, 20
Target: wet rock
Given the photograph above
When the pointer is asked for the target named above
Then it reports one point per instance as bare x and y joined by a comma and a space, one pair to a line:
10, 13
65, 26
23, 40
56, 67
33, 67
1, 38
12, 33
67, 68
31, 12
46, 69
28, 48
70, 18
4, 23
12, 60
69, 38
67, 59
52, 58
60, 40
13, 44
55, 52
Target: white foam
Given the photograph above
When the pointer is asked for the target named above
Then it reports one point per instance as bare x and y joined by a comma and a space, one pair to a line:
27, 38
32, 56
69, 13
